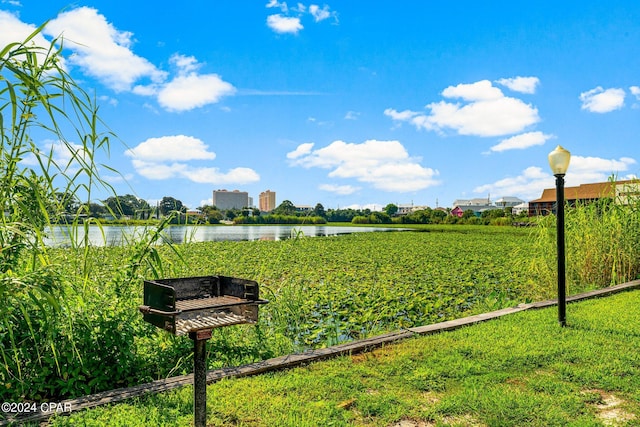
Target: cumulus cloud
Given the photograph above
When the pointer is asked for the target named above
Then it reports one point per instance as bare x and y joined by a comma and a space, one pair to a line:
319, 14
275, 3
599, 100
522, 141
521, 84
635, 91
100, 50
289, 21
175, 148
189, 90
341, 190
284, 24
351, 115
385, 165
169, 156
14, 30
533, 180
485, 111
301, 150
64, 154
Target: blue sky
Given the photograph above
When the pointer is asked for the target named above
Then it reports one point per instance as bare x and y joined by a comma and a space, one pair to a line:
352, 104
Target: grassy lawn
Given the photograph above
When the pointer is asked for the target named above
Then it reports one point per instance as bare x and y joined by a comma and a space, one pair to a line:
520, 370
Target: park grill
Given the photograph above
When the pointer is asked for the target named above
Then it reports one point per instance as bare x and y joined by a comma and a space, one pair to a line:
194, 306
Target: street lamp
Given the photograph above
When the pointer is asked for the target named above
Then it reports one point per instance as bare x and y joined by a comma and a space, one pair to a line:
559, 162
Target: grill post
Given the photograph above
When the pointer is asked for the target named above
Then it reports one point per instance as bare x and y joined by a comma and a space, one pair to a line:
200, 376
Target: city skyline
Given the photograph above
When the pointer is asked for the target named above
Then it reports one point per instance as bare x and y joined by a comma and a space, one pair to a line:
350, 105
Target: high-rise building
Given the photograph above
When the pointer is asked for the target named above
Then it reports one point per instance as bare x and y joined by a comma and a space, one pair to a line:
267, 201
223, 199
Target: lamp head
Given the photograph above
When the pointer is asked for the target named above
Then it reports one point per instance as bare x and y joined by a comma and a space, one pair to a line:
559, 160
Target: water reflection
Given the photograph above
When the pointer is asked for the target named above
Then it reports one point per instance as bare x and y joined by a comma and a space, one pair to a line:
119, 235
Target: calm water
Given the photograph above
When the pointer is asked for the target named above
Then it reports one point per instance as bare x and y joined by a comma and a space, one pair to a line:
118, 235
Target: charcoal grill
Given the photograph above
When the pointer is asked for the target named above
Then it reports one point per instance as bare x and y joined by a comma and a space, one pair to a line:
194, 306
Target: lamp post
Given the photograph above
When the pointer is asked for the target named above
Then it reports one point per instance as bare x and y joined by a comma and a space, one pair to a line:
559, 162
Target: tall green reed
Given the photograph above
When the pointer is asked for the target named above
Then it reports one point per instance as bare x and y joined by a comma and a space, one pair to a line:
602, 241
63, 331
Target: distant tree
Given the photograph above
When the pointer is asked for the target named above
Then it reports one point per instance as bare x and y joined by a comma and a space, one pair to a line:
170, 204
344, 215
468, 214
379, 218
390, 209
68, 202
285, 208
97, 210
438, 216
319, 211
128, 205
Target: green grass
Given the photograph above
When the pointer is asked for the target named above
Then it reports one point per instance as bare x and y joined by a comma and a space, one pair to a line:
519, 370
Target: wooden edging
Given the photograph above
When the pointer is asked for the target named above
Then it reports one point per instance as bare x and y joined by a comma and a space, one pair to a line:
292, 360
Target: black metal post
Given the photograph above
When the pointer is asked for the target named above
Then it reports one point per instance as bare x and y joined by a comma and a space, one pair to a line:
200, 376
562, 297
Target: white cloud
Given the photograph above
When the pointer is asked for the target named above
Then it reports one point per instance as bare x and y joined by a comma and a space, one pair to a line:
385, 165
522, 141
186, 92
635, 91
404, 116
101, 50
166, 157
14, 30
64, 155
351, 115
214, 176
601, 167
599, 100
206, 202
319, 14
533, 180
478, 91
105, 53
174, 148
487, 112
185, 64
341, 190
284, 24
521, 84
281, 5
301, 150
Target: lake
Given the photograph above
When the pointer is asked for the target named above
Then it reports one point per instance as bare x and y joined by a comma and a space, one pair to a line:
110, 235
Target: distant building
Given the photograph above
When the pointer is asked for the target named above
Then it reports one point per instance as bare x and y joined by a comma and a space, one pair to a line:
267, 201
621, 192
304, 208
522, 207
408, 209
472, 202
483, 204
476, 209
508, 202
223, 199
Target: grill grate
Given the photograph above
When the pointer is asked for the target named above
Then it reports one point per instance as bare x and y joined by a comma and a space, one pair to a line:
209, 302
214, 320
